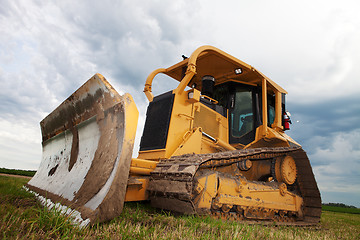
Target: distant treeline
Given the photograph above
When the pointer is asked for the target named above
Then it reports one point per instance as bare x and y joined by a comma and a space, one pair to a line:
338, 205
29, 173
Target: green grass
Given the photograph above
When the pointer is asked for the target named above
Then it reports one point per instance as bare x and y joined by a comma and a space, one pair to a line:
22, 217
341, 209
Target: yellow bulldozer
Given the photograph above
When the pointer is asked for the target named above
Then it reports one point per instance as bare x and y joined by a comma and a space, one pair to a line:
215, 145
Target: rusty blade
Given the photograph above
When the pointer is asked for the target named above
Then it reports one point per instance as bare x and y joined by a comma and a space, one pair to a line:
87, 149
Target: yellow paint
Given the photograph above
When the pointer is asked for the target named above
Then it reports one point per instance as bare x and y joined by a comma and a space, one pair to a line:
278, 113
191, 143
206, 189
148, 83
195, 128
137, 192
264, 108
232, 192
254, 195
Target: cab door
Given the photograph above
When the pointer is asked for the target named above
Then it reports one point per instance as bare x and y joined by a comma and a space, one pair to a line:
243, 113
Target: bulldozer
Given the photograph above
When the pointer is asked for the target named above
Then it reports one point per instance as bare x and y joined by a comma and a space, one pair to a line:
215, 145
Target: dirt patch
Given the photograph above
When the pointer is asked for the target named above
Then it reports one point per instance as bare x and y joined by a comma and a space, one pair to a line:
13, 175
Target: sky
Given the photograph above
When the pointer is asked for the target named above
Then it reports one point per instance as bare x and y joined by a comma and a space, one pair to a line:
50, 48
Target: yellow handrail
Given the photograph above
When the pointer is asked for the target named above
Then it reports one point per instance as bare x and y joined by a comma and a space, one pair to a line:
148, 83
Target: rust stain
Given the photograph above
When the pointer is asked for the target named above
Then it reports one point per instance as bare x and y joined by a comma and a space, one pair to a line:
104, 159
113, 153
79, 107
111, 126
74, 147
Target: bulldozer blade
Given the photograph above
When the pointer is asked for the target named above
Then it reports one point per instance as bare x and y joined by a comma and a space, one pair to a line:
87, 148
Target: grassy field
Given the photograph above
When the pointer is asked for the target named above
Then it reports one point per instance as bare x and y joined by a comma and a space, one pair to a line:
341, 209
28, 173
22, 217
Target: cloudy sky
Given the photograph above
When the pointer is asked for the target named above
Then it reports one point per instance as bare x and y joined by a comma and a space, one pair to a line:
311, 48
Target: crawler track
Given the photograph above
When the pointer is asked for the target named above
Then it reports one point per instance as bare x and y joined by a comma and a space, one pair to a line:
172, 185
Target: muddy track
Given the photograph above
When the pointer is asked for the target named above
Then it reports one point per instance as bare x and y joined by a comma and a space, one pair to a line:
308, 187
171, 184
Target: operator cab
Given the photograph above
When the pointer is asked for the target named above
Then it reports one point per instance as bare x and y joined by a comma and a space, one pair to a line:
241, 104
231, 109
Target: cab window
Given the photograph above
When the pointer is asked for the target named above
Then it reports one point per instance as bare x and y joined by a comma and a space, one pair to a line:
241, 117
271, 109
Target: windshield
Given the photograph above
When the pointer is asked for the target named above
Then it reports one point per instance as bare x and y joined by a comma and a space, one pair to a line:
241, 117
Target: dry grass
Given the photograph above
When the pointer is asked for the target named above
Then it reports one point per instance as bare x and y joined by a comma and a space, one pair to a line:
22, 217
